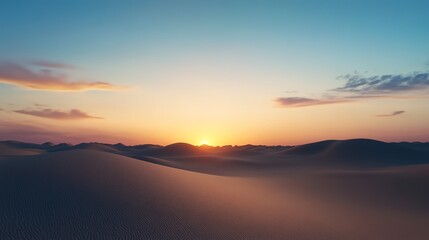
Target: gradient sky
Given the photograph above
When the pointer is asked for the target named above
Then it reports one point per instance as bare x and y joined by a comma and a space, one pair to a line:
228, 72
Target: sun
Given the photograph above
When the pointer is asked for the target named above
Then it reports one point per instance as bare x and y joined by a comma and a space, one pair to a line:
204, 142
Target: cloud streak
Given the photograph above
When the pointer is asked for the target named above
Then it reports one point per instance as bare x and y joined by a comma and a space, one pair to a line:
25, 77
359, 88
49, 64
395, 113
385, 84
293, 102
73, 114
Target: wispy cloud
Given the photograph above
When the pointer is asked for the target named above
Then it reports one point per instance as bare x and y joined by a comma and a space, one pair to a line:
73, 114
50, 64
25, 77
357, 88
40, 105
395, 113
304, 102
385, 84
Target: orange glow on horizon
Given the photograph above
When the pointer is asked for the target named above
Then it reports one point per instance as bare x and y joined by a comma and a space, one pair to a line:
204, 142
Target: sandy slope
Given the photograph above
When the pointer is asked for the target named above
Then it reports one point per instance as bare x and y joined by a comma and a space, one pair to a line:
8, 150
92, 194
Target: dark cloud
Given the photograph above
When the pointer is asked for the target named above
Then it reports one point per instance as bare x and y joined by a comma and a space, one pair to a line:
395, 113
384, 84
73, 114
49, 64
304, 102
25, 77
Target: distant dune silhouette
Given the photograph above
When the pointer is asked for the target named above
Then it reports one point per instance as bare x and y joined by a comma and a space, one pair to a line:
335, 189
10, 149
175, 149
311, 148
365, 153
96, 146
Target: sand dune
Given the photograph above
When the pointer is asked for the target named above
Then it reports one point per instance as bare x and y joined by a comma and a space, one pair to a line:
185, 192
96, 147
9, 149
355, 153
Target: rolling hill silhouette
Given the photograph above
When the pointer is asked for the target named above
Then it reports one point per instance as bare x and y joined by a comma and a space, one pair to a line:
175, 149
353, 153
96, 147
351, 189
15, 149
365, 153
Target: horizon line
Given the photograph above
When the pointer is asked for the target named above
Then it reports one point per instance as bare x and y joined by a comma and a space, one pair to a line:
208, 145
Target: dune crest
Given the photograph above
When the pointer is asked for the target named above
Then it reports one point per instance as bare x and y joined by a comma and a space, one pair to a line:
180, 191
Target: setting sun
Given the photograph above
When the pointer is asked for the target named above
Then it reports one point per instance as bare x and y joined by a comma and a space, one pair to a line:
204, 142
227, 119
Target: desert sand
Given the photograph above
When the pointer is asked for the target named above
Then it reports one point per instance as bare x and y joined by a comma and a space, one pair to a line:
351, 189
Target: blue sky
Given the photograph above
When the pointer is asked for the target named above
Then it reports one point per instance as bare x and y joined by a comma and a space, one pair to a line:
217, 58
362, 33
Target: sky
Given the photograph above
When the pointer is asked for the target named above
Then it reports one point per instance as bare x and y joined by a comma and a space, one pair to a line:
217, 72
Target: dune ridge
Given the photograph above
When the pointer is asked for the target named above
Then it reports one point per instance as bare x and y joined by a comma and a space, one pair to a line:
180, 191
